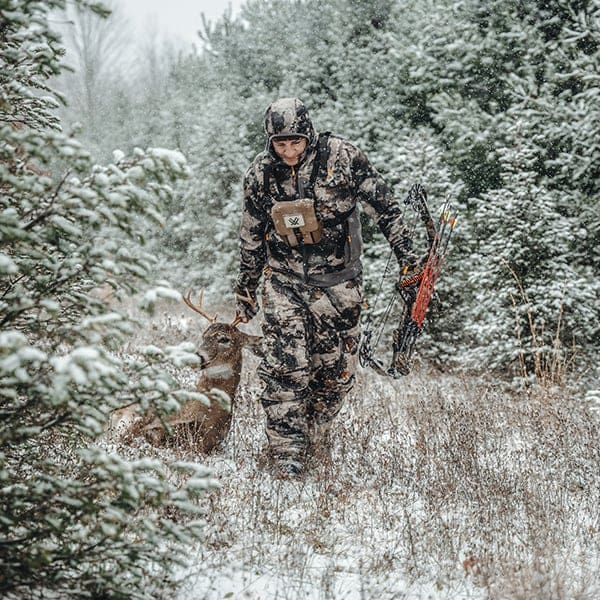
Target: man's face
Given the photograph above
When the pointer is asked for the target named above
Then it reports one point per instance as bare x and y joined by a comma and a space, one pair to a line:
290, 149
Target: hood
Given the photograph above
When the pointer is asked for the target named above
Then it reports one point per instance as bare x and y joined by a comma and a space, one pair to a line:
288, 117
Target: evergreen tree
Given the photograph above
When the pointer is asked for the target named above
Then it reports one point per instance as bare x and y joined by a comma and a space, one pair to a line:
517, 111
540, 297
76, 520
451, 83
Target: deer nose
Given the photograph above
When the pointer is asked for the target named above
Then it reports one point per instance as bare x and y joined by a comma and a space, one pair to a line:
204, 360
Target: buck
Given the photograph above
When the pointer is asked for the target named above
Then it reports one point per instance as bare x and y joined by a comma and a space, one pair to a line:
203, 427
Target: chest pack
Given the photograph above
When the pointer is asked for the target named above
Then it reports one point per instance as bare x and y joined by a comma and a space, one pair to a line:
296, 222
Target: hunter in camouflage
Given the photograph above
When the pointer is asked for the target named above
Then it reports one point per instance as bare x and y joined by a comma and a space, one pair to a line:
312, 292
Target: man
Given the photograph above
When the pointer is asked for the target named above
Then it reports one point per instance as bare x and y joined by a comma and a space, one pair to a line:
300, 232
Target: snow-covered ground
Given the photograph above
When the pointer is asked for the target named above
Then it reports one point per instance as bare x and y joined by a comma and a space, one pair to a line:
438, 486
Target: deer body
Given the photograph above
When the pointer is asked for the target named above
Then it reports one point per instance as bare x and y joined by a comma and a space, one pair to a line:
204, 427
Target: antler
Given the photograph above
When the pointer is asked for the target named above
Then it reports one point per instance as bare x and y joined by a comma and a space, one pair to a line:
198, 308
236, 321
249, 300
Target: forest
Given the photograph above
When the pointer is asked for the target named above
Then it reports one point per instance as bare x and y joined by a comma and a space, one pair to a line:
121, 166
503, 120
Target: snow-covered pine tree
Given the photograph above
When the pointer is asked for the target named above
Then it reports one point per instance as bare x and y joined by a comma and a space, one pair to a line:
76, 520
220, 133
518, 112
522, 254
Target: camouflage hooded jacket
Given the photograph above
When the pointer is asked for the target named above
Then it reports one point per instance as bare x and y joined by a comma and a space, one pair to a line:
345, 178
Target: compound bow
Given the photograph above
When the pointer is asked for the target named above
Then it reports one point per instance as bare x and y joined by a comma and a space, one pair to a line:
416, 300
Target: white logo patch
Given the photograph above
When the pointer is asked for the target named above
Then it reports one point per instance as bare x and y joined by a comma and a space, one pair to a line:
293, 221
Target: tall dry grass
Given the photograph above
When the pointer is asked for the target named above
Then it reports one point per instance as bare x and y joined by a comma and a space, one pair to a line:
437, 486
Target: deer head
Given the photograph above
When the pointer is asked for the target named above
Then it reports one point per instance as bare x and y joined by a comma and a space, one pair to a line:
204, 427
221, 351
221, 366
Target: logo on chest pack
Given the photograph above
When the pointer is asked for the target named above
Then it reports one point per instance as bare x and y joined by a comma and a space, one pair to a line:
292, 221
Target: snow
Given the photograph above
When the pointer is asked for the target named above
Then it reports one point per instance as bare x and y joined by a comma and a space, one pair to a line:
428, 496
153, 295
176, 160
437, 486
118, 156
7, 265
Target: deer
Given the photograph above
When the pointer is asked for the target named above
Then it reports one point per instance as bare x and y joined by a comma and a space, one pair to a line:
204, 427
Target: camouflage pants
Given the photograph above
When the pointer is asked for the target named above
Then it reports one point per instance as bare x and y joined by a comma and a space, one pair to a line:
311, 337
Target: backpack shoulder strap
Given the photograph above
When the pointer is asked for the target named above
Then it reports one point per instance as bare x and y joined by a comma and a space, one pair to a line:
266, 179
320, 163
